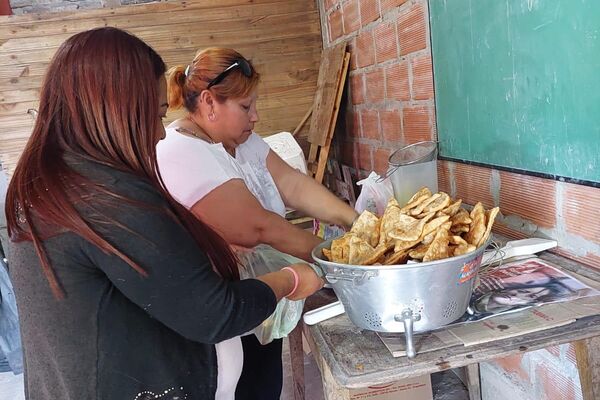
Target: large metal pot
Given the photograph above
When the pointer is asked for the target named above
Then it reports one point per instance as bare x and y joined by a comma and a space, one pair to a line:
403, 298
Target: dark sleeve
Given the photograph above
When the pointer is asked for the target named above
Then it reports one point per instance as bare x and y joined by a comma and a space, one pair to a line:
181, 289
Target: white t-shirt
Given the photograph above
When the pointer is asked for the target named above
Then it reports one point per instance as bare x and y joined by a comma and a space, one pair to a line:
191, 168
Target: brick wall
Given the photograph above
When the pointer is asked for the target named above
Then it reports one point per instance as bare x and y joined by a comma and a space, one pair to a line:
549, 374
390, 89
532, 206
390, 103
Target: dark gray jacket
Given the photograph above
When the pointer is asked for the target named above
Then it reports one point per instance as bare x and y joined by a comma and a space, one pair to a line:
119, 335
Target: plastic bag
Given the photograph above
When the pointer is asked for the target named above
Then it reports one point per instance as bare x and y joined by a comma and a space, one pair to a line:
261, 260
327, 231
374, 195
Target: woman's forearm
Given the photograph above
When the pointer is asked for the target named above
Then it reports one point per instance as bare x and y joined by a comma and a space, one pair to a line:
287, 238
312, 198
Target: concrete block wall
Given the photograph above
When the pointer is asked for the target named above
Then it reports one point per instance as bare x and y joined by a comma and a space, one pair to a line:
390, 103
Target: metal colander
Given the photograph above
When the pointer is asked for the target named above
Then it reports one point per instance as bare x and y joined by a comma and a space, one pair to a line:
403, 298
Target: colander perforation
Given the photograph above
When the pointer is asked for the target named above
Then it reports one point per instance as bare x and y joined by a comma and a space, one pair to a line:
373, 320
450, 309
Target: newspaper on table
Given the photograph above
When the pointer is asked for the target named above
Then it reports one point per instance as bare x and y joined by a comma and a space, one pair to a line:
530, 320
506, 303
424, 342
522, 284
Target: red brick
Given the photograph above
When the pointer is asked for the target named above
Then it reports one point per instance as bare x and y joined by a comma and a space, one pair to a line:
365, 49
357, 90
412, 30
353, 124
422, 72
417, 124
589, 259
554, 350
571, 356
353, 54
555, 385
473, 184
380, 160
444, 178
387, 5
529, 197
580, 210
347, 154
369, 11
370, 124
351, 17
391, 125
329, 4
363, 156
385, 42
375, 86
512, 365
396, 81
335, 25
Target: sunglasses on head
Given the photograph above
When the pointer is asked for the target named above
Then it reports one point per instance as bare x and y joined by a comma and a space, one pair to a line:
240, 63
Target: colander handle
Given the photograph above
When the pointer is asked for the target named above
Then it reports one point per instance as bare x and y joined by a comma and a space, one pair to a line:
355, 276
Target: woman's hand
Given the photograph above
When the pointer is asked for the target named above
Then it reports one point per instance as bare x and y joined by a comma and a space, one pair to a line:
308, 281
283, 282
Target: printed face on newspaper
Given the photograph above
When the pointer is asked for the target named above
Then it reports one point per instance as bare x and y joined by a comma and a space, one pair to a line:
523, 284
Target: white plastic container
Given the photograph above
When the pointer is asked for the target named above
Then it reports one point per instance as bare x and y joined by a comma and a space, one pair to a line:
286, 147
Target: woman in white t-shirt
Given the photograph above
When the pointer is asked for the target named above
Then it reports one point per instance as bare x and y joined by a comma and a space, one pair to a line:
213, 163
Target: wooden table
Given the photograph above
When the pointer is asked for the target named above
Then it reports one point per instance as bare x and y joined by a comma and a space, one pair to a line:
350, 357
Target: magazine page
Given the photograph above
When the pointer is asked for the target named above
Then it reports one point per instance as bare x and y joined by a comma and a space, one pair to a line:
522, 284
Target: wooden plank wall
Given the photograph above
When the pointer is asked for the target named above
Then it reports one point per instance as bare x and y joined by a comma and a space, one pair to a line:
281, 37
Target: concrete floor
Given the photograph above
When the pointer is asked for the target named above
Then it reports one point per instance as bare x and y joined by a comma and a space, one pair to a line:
11, 386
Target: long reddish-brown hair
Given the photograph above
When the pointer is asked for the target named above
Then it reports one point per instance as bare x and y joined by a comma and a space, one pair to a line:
183, 89
99, 101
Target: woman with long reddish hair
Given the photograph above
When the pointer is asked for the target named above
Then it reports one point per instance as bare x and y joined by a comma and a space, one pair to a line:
214, 163
122, 292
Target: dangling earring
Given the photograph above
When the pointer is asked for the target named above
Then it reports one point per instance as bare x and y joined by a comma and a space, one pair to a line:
211, 116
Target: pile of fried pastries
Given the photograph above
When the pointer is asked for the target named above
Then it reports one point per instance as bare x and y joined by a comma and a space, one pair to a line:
429, 227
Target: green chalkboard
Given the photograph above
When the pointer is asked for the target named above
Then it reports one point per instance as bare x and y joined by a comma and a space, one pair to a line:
517, 84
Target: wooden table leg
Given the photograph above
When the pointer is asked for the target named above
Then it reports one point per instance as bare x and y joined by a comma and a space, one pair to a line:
473, 381
297, 361
587, 352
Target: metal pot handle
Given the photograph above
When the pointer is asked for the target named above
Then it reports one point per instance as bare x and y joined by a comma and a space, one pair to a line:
356, 277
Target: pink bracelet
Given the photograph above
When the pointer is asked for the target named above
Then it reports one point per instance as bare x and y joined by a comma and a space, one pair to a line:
296, 280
